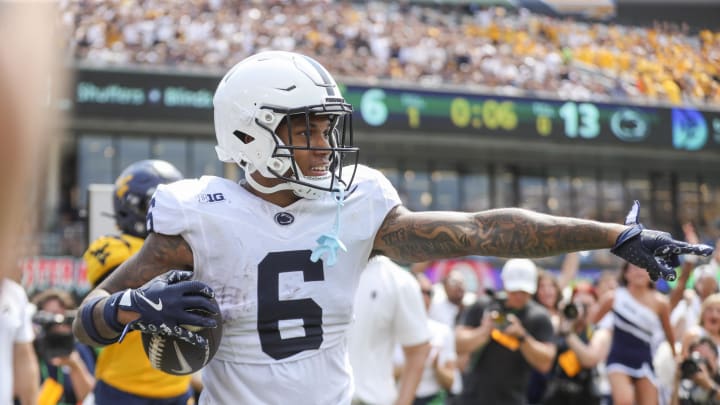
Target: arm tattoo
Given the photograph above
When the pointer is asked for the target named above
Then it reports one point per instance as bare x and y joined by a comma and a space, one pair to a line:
159, 254
508, 232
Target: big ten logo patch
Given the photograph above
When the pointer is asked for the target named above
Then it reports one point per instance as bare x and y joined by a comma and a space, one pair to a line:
211, 197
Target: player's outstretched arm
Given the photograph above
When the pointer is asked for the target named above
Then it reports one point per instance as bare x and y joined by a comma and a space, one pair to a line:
158, 255
514, 232
507, 232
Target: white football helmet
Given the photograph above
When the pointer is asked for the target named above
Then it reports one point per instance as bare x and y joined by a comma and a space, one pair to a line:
253, 99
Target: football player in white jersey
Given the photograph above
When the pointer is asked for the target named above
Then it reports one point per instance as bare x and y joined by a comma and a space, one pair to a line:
282, 250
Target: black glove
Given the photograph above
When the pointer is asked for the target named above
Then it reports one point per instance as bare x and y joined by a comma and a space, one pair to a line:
168, 305
655, 251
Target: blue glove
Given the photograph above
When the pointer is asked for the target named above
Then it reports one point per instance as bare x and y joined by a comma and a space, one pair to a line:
655, 251
169, 305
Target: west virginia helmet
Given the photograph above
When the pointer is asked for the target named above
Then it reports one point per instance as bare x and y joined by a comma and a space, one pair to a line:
107, 253
252, 100
133, 190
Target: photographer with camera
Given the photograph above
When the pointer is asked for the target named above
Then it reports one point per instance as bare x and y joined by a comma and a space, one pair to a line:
66, 366
581, 347
507, 338
697, 380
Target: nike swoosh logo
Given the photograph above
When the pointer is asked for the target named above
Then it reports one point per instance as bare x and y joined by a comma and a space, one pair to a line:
184, 365
156, 305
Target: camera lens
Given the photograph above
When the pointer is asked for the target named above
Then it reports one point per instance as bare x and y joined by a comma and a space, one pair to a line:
688, 368
570, 311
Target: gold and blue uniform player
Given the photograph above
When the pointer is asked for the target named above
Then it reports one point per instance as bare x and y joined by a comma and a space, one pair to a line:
123, 372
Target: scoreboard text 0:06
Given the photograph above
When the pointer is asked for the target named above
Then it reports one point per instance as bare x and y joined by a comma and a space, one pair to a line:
489, 114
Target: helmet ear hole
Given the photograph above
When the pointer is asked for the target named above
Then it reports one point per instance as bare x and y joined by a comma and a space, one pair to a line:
244, 138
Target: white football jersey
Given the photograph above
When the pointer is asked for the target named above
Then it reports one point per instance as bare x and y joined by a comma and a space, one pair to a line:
284, 316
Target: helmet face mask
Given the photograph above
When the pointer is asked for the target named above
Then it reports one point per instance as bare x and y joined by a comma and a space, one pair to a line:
271, 88
133, 191
340, 134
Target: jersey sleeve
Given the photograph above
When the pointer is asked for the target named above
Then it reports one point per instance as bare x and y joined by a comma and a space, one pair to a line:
411, 325
166, 214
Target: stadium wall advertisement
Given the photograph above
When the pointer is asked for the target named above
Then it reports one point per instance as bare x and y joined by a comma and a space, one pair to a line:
149, 96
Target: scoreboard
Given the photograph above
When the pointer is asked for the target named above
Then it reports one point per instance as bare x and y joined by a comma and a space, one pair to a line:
445, 113
140, 95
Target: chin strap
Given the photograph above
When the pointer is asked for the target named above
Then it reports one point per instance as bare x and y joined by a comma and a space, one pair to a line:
266, 190
329, 243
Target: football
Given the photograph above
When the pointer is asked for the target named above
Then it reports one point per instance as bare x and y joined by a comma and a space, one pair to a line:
177, 357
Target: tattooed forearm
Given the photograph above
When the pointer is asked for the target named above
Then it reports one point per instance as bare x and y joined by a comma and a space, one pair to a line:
159, 254
504, 232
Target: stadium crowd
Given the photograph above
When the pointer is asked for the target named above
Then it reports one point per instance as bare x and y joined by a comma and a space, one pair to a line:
510, 51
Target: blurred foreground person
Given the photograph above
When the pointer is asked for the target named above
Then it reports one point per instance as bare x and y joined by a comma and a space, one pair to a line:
31, 80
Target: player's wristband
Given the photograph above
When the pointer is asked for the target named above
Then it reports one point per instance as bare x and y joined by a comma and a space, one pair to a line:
110, 312
86, 317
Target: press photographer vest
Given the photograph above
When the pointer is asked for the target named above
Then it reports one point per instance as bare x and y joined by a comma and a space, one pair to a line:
568, 379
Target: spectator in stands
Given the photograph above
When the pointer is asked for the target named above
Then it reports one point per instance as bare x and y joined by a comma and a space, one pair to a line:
66, 367
448, 303
607, 281
549, 295
687, 312
389, 311
18, 363
507, 338
447, 307
709, 324
512, 51
697, 379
